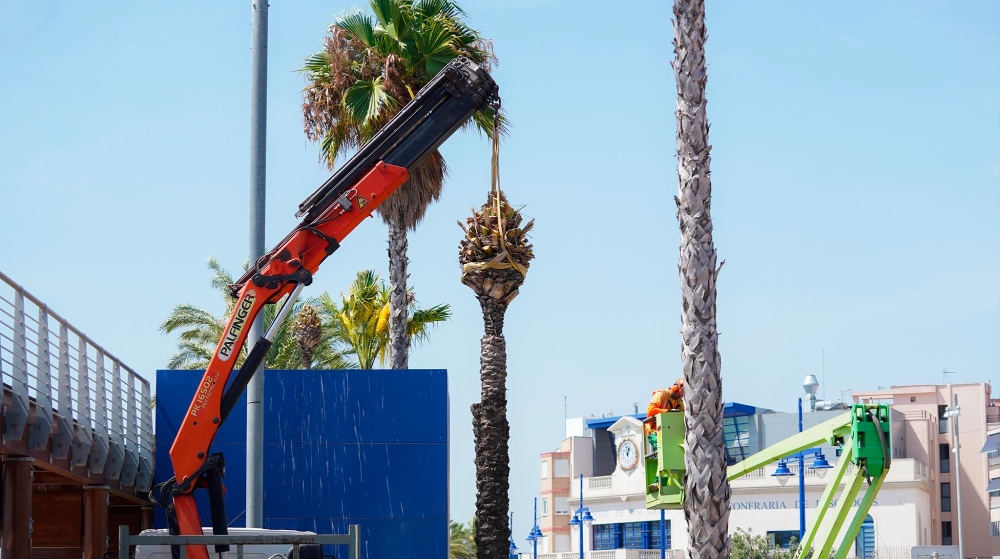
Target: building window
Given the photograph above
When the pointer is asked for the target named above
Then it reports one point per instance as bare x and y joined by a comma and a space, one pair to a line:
545, 507
946, 533
562, 468
562, 505
630, 535
606, 536
783, 538
945, 455
913, 399
942, 420
736, 433
654, 535
945, 497
995, 528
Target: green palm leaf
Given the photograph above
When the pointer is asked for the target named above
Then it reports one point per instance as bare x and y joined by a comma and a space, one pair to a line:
435, 43
316, 66
358, 26
366, 100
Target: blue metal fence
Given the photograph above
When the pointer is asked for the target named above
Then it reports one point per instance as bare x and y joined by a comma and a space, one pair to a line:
340, 448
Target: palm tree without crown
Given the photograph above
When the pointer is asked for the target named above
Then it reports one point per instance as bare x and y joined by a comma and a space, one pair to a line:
706, 507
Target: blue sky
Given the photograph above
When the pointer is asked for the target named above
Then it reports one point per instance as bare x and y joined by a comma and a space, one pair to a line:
856, 172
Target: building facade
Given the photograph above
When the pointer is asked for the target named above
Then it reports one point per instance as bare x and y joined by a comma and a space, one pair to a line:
931, 438
912, 507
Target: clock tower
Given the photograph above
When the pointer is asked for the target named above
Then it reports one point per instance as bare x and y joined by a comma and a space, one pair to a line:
629, 444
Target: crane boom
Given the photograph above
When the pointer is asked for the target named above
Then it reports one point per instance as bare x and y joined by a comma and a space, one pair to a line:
328, 215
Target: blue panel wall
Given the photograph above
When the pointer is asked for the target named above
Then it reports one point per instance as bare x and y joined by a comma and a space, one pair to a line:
340, 448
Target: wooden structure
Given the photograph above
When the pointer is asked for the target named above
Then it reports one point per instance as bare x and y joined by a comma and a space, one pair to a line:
75, 437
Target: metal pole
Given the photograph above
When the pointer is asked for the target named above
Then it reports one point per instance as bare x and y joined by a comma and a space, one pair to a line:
802, 485
580, 513
958, 473
534, 540
663, 534
258, 150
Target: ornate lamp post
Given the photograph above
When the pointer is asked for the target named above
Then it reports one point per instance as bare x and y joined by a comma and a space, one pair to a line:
536, 534
513, 548
582, 518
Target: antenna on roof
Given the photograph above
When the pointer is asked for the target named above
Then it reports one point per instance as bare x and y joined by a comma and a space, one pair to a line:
944, 375
824, 374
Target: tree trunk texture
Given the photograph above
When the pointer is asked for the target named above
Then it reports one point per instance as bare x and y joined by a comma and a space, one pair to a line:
492, 435
399, 339
706, 508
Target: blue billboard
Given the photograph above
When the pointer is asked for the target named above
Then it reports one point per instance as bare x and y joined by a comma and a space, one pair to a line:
366, 447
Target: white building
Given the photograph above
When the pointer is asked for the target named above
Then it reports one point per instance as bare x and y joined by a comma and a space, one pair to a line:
905, 514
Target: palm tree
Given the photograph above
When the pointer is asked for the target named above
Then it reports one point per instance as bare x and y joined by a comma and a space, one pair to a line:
361, 321
308, 334
370, 69
706, 506
462, 545
200, 332
494, 254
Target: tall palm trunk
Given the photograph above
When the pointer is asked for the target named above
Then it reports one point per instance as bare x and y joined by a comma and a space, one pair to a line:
495, 255
706, 508
492, 435
399, 339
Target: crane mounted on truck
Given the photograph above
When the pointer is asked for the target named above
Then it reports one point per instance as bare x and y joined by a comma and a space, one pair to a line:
335, 209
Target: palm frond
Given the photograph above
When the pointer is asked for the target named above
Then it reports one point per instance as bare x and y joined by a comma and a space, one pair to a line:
421, 320
435, 43
316, 66
188, 316
360, 26
366, 100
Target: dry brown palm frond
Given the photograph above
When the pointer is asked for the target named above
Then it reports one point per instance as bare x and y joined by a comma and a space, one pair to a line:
408, 205
484, 228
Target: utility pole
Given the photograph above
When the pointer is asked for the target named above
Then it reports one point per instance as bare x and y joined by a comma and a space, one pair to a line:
953, 413
956, 412
258, 151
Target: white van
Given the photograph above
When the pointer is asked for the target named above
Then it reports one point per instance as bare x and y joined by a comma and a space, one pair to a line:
249, 551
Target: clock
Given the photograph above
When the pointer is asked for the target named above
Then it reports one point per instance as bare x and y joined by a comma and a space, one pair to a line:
628, 455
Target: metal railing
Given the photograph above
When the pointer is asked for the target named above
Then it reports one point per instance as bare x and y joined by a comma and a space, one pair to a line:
351, 539
609, 554
884, 552
93, 408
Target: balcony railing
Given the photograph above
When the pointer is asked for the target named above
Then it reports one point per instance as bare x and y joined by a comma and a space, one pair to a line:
885, 552
66, 390
610, 554
600, 482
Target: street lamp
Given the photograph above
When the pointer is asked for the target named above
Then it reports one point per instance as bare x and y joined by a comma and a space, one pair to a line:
581, 518
513, 548
536, 534
956, 411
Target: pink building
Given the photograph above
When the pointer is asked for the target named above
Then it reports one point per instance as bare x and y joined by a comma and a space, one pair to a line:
930, 438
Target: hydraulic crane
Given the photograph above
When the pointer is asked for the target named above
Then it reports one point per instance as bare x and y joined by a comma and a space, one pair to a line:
862, 435
328, 215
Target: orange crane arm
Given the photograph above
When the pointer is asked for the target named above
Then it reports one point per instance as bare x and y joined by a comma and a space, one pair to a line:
329, 215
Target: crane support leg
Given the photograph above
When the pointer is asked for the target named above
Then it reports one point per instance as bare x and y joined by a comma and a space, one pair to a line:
843, 508
859, 517
827, 499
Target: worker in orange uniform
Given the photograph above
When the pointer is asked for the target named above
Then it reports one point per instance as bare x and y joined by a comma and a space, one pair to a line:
663, 400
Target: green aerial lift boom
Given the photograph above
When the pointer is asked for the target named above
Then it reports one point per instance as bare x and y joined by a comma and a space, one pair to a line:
862, 435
